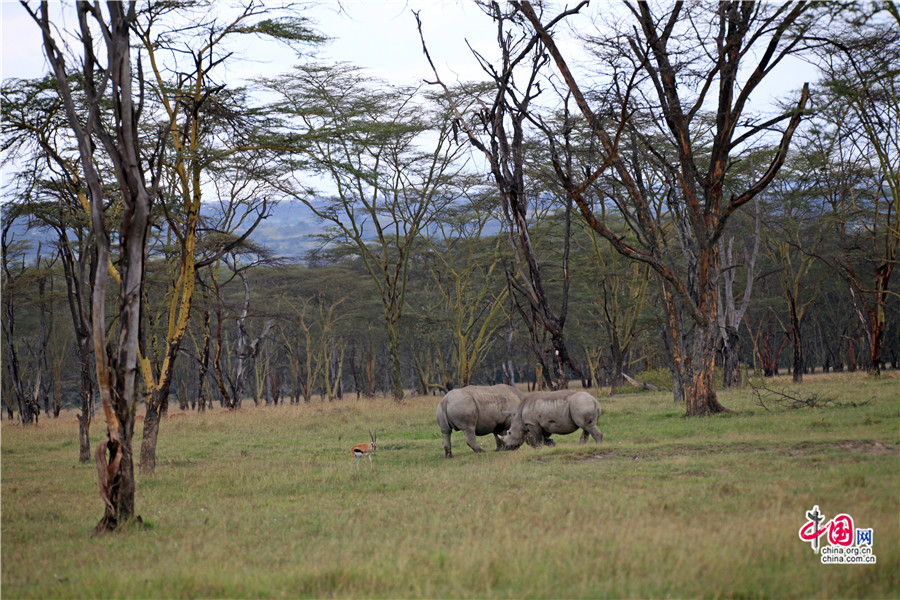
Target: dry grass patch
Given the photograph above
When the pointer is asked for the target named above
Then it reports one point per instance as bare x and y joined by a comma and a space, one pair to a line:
266, 502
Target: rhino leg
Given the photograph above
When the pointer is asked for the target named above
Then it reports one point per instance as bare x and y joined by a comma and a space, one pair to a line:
471, 441
447, 452
548, 442
591, 429
534, 437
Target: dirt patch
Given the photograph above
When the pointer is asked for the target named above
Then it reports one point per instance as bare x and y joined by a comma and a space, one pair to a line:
620, 455
869, 447
601, 456
675, 450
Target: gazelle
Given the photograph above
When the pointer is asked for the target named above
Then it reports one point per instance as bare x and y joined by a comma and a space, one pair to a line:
361, 450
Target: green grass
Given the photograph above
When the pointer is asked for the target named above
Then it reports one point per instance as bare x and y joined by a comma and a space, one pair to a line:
266, 502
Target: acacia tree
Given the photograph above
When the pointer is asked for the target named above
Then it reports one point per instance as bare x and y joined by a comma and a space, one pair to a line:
690, 57
231, 377
111, 82
210, 131
50, 187
311, 351
619, 295
794, 221
14, 276
861, 133
462, 263
388, 158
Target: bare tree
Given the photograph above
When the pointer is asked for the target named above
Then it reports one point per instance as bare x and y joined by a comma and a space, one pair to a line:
495, 123
680, 55
730, 311
111, 81
232, 380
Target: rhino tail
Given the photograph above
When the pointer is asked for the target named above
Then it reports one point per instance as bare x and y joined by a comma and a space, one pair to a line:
442, 418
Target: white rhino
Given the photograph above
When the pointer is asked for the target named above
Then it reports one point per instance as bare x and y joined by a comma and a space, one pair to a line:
476, 410
542, 414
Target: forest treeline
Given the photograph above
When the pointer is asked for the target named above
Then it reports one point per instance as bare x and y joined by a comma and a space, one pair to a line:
314, 330
635, 208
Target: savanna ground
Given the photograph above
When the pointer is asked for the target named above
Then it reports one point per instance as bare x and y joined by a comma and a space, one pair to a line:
266, 502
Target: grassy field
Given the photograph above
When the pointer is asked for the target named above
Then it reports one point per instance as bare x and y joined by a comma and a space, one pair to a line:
266, 502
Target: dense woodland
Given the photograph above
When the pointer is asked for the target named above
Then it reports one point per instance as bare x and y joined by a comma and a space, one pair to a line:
314, 330
612, 199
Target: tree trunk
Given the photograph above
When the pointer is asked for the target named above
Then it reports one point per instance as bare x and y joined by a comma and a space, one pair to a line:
509, 368
851, 351
204, 365
370, 373
148, 443
156, 405
796, 343
84, 436
116, 485
731, 360
86, 394
617, 358
354, 373
336, 370
396, 374
876, 347
674, 343
700, 394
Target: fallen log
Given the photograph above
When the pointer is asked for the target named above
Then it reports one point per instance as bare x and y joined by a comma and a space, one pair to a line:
640, 384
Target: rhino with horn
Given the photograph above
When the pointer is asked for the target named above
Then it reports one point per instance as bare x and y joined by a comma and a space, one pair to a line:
542, 414
476, 410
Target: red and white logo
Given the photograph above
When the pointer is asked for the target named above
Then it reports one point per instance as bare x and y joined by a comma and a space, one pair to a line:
847, 544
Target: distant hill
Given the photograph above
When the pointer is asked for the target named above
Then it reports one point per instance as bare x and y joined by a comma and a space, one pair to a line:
286, 231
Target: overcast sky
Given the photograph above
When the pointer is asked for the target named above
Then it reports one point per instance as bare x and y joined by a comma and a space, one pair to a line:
379, 35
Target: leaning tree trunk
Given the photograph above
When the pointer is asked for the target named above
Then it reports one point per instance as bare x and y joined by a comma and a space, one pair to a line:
77, 288
877, 316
